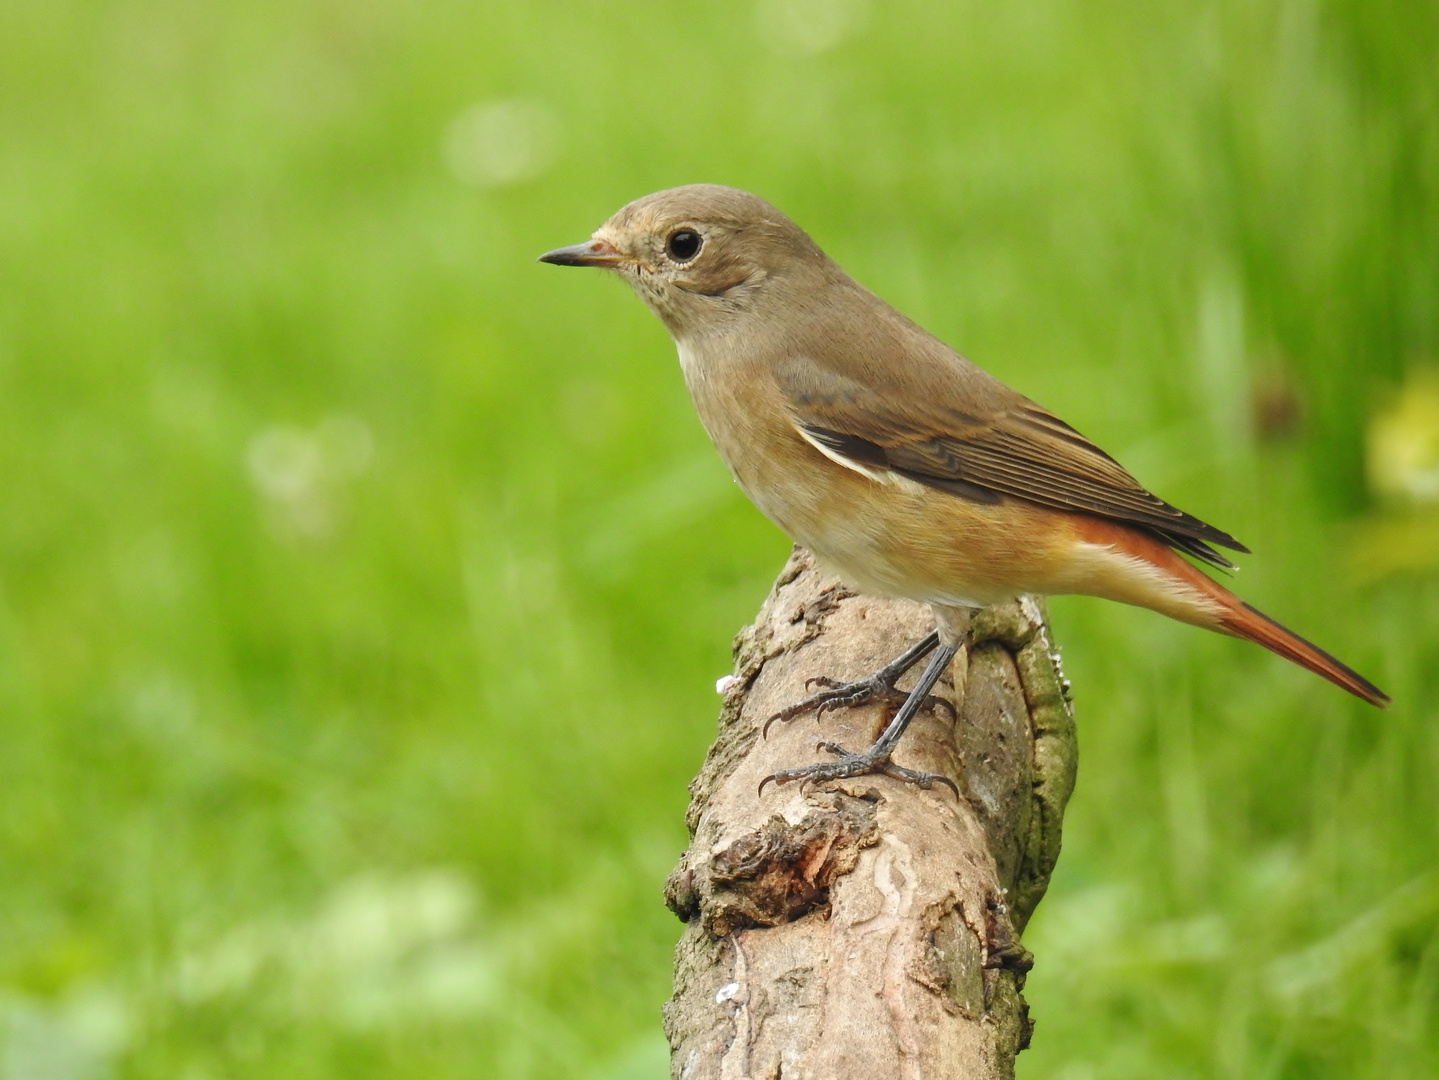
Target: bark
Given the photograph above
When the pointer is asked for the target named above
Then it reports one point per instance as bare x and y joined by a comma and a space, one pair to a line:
866, 928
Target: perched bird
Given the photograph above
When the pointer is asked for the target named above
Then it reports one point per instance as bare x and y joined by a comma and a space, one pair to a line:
898, 463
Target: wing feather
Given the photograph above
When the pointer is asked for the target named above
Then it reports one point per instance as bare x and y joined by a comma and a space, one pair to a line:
983, 443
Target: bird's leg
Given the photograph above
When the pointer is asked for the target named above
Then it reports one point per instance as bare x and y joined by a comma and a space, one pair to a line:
877, 687
876, 758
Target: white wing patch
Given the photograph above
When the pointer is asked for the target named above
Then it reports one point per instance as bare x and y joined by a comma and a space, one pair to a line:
879, 476
840, 459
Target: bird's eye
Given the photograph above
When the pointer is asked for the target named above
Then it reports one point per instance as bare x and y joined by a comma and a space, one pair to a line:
684, 244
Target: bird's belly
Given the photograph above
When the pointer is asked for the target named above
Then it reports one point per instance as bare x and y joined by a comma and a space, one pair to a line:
879, 545
887, 536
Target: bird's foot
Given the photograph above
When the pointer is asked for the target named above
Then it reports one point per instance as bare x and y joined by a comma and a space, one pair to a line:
838, 695
874, 760
881, 687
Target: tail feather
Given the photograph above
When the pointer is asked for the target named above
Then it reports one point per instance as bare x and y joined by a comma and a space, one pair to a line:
1246, 622
1183, 591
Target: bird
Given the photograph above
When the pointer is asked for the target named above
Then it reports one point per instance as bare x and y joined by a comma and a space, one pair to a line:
904, 468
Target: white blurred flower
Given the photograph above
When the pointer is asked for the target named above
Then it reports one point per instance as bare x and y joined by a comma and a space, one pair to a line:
373, 919
497, 143
75, 1038
809, 27
283, 461
380, 949
300, 473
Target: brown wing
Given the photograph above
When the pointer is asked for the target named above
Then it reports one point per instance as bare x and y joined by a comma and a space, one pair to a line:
982, 442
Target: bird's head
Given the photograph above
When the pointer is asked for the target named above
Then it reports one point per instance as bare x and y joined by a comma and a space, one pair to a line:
698, 255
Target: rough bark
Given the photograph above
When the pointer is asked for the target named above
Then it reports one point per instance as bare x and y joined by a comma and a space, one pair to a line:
866, 928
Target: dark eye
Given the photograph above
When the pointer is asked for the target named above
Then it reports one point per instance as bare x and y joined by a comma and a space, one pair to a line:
684, 244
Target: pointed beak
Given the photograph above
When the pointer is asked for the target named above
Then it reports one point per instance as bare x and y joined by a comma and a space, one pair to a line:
590, 253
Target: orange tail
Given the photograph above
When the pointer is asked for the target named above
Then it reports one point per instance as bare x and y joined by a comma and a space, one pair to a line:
1202, 601
1243, 621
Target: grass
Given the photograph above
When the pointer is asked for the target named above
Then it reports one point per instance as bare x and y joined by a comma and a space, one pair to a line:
363, 584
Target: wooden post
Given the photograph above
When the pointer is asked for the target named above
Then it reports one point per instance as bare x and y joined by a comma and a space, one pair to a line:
867, 929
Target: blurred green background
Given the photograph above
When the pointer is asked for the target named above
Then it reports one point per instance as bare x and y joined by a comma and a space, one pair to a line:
363, 584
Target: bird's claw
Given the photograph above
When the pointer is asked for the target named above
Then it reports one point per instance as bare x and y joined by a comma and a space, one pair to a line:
839, 695
850, 765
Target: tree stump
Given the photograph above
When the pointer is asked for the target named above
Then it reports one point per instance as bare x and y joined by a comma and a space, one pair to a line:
866, 928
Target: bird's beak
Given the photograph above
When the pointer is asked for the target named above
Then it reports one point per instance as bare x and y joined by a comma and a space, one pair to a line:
590, 253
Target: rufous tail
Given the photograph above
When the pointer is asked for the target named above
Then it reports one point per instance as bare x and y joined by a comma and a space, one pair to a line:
1201, 600
1236, 617
1243, 621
